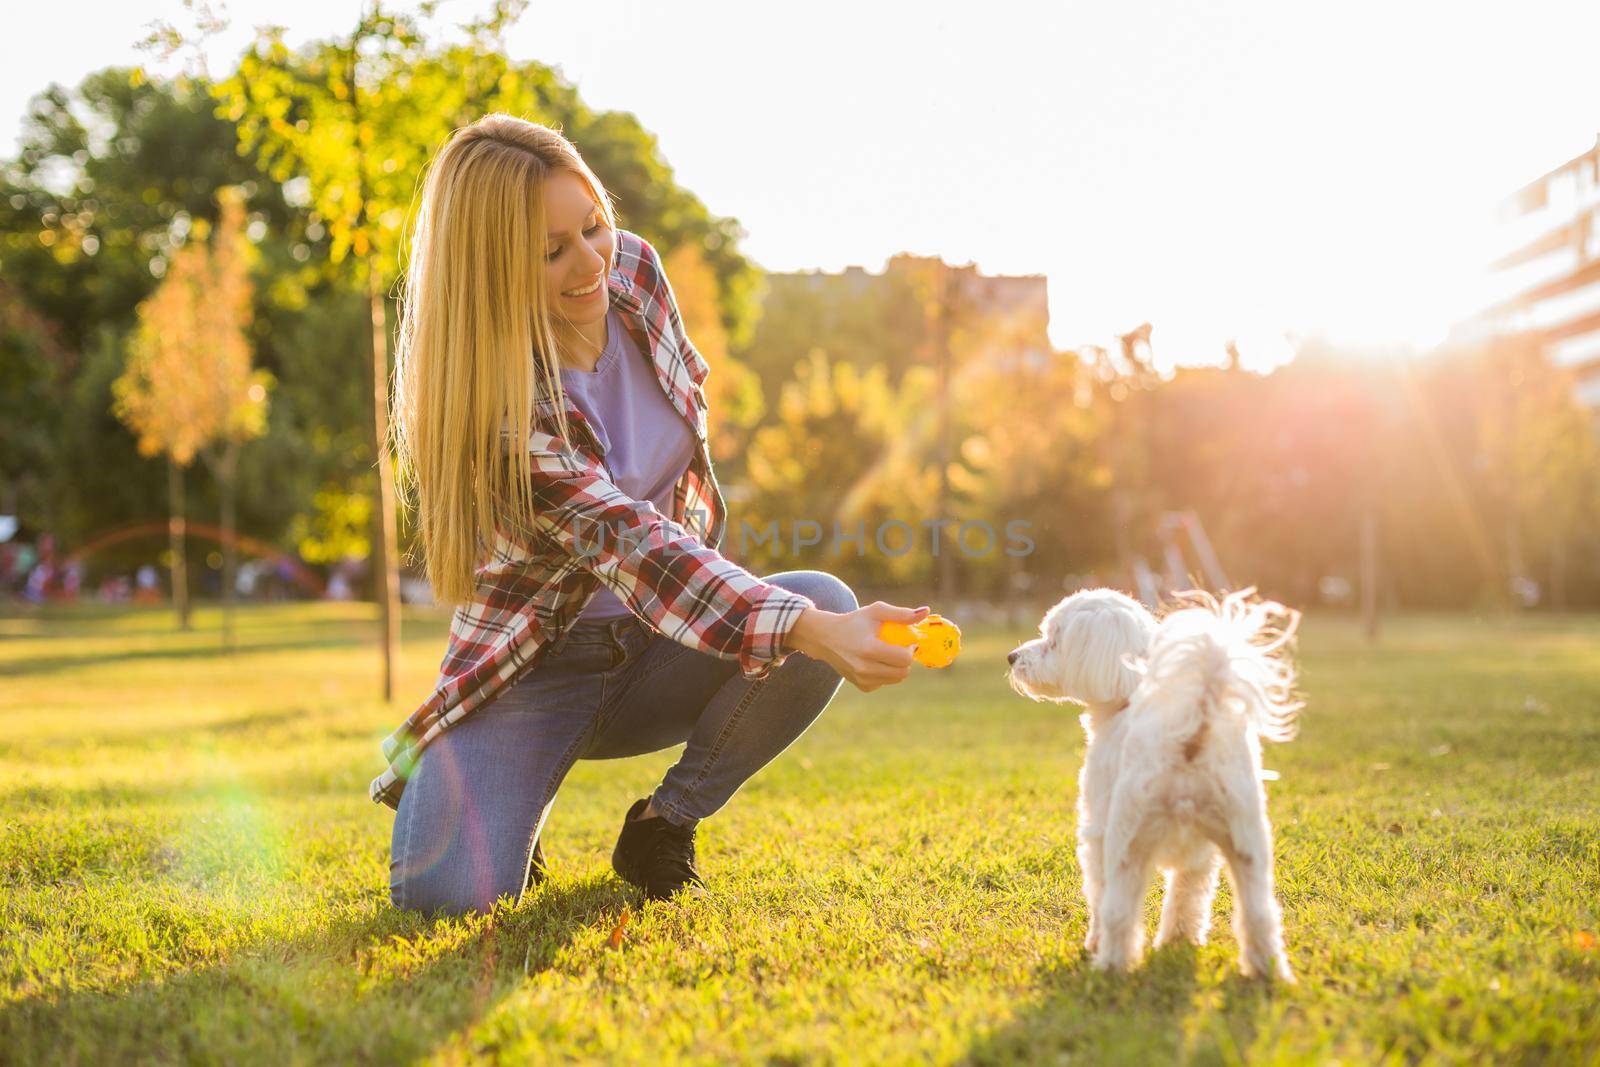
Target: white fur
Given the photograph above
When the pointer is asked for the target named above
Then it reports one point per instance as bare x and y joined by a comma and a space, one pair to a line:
1174, 711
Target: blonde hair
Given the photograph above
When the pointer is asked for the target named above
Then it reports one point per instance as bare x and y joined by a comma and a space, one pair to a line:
476, 329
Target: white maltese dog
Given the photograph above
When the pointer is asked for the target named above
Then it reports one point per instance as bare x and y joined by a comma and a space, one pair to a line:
1174, 711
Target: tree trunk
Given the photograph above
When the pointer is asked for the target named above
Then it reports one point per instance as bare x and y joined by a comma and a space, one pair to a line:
1516, 567
1369, 576
227, 470
386, 564
175, 539
1558, 571
946, 563
385, 560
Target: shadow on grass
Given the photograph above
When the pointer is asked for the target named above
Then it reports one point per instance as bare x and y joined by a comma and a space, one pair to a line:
292, 785
334, 638
390, 987
1161, 1013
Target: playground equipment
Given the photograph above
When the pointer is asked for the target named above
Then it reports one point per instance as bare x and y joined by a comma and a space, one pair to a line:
1173, 530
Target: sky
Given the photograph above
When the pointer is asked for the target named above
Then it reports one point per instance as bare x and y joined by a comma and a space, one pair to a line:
1254, 170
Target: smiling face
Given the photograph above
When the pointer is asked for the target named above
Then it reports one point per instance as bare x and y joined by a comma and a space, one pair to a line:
579, 253
1083, 650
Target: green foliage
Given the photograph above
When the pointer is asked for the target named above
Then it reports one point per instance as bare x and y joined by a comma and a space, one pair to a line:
870, 320
110, 180
853, 432
830, 456
343, 124
1028, 448
190, 870
336, 528
35, 375
1479, 464
114, 174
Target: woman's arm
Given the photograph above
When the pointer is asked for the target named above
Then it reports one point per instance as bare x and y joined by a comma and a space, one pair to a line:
687, 591
849, 642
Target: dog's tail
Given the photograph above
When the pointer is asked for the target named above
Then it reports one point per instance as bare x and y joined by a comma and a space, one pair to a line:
1223, 658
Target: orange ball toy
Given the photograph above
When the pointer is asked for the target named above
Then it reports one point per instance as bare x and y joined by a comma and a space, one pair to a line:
937, 640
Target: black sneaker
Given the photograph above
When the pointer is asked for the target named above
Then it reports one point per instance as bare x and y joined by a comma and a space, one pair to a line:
537, 871
656, 856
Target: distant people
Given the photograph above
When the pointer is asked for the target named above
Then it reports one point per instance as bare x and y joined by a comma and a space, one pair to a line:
147, 585
38, 584
341, 582
42, 576
115, 589
247, 578
282, 579
71, 581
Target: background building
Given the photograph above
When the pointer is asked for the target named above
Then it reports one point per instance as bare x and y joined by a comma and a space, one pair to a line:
1549, 274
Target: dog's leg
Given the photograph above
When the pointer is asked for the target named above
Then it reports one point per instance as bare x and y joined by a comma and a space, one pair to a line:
1091, 858
1094, 800
1127, 864
1186, 908
1257, 919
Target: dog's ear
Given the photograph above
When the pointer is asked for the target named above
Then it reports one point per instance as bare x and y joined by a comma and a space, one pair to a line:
1097, 646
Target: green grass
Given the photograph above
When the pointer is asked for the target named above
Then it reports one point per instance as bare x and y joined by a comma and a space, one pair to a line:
190, 870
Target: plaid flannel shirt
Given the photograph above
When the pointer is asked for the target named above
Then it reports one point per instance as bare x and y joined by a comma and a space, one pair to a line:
533, 583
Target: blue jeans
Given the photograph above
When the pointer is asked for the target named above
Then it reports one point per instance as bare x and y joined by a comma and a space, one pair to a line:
479, 796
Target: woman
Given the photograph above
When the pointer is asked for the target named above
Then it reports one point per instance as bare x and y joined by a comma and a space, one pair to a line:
555, 498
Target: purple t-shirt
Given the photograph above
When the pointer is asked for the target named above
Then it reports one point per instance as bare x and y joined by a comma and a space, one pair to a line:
647, 443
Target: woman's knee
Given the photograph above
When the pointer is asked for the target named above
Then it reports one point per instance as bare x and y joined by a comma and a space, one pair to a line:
467, 820
434, 895
446, 866
823, 589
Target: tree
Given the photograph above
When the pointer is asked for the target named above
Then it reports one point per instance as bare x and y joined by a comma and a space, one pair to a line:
333, 116
34, 370
110, 178
239, 393
189, 385
734, 392
1029, 451
832, 453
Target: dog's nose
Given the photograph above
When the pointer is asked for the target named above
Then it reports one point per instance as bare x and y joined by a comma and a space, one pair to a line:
1011, 658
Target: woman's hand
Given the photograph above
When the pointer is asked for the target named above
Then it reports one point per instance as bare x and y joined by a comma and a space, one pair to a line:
849, 642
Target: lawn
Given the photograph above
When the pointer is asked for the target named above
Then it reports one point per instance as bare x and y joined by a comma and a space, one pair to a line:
190, 870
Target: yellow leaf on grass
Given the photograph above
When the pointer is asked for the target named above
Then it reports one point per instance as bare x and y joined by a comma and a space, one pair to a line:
617, 930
